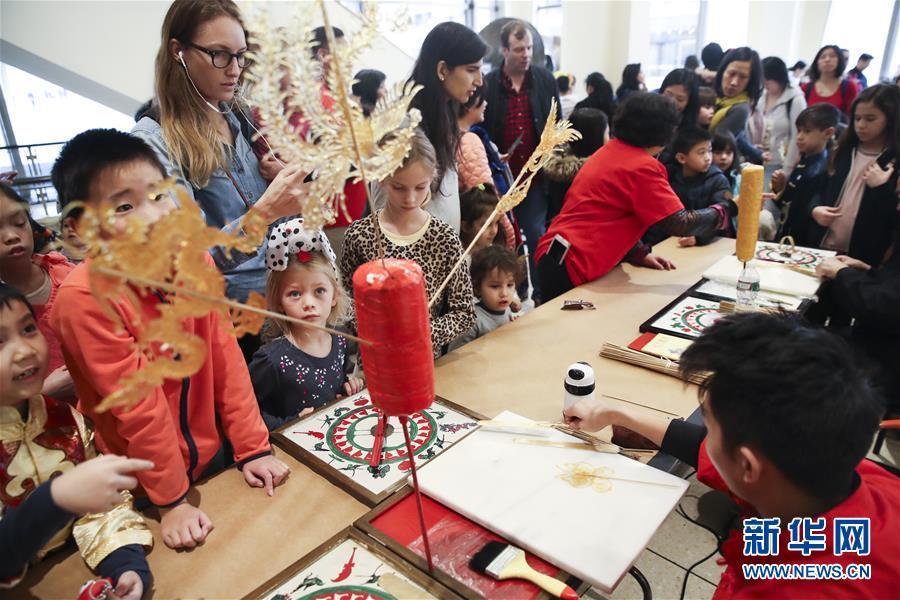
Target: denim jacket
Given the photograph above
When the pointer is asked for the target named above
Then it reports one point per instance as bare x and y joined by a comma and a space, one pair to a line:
222, 205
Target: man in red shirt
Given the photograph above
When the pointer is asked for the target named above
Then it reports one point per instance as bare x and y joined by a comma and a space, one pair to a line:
617, 195
788, 421
519, 95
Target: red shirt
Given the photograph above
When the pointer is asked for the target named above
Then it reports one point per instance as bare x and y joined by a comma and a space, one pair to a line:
619, 192
518, 121
877, 498
58, 268
842, 99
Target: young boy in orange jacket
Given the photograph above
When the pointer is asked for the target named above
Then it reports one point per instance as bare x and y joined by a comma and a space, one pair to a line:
788, 421
178, 425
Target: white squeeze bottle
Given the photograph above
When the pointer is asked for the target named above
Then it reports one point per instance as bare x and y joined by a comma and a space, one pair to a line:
579, 384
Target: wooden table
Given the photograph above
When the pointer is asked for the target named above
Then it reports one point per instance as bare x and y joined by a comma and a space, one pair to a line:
518, 367
521, 366
255, 537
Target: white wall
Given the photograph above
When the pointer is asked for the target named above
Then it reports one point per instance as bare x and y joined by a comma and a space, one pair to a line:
105, 50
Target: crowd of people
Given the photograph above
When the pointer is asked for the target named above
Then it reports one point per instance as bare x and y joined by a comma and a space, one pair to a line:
650, 164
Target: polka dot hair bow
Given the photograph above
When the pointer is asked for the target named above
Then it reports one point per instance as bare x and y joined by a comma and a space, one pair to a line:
292, 239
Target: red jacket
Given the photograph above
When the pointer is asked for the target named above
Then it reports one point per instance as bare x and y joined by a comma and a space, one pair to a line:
877, 497
58, 268
178, 426
619, 192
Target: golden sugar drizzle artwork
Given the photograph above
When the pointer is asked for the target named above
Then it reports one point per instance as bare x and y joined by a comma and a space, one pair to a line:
333, 138
168, 259
582, 475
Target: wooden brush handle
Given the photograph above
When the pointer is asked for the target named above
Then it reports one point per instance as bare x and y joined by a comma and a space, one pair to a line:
519, 568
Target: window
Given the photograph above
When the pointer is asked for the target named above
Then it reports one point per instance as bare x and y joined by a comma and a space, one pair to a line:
423, 17
548, 18
43, 116
843, 28
673, 36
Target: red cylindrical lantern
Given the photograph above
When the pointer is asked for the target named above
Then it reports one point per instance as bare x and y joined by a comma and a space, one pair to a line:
392, 312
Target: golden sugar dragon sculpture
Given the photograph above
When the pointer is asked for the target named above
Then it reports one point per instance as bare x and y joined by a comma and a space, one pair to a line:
308, 117
169, 258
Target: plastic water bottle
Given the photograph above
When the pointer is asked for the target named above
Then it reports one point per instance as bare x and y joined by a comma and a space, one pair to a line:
579, 383
747, 288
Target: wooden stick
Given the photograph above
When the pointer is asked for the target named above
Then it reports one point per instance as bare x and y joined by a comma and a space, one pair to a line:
614, 478
168, 287
559, 444
344, 104
462, 258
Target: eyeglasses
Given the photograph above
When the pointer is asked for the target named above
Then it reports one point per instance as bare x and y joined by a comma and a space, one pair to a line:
221, 59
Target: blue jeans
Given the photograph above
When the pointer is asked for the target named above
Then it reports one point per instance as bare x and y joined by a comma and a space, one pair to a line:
532, 216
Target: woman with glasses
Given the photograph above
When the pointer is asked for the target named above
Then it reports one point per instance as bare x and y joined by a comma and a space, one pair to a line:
201, 130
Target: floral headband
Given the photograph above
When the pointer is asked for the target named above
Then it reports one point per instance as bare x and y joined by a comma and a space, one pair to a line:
292, 239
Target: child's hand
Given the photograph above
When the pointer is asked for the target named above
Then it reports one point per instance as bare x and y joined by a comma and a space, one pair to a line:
267, 472
779, 180
96, 485
766, 157
687, 242
875, 176
825, 215
184, 526
589, 415
59, 384
129, 587
654, 261
354, 385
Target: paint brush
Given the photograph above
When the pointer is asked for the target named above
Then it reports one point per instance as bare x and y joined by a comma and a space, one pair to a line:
504, 561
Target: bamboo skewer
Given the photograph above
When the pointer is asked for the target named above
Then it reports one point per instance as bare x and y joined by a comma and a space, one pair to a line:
640, 359
644, 481
168, 287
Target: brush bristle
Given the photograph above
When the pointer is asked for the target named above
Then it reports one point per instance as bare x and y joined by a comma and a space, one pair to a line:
484, 557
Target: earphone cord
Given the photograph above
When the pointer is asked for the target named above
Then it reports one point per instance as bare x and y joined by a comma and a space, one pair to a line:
207, 102
239, 94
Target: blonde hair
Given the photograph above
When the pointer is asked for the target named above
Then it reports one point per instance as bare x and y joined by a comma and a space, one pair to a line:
318, 263
193, 142
420, 150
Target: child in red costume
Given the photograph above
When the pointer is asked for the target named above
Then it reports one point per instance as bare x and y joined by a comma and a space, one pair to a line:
38, 277
788, 421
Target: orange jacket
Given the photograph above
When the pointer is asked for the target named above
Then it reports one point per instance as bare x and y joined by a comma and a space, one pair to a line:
176, 427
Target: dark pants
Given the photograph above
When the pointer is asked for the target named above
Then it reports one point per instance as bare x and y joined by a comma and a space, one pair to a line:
554, 278
531, 215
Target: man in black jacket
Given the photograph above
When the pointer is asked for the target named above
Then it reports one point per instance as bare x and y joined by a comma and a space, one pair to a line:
519, 95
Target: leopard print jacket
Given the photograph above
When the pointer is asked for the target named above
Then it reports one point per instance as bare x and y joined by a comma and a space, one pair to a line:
436, 252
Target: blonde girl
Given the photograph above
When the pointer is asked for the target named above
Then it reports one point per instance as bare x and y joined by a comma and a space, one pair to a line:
407, 230
303, 368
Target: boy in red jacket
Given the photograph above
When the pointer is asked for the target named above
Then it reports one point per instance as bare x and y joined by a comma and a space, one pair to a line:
788, 421
180, 425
